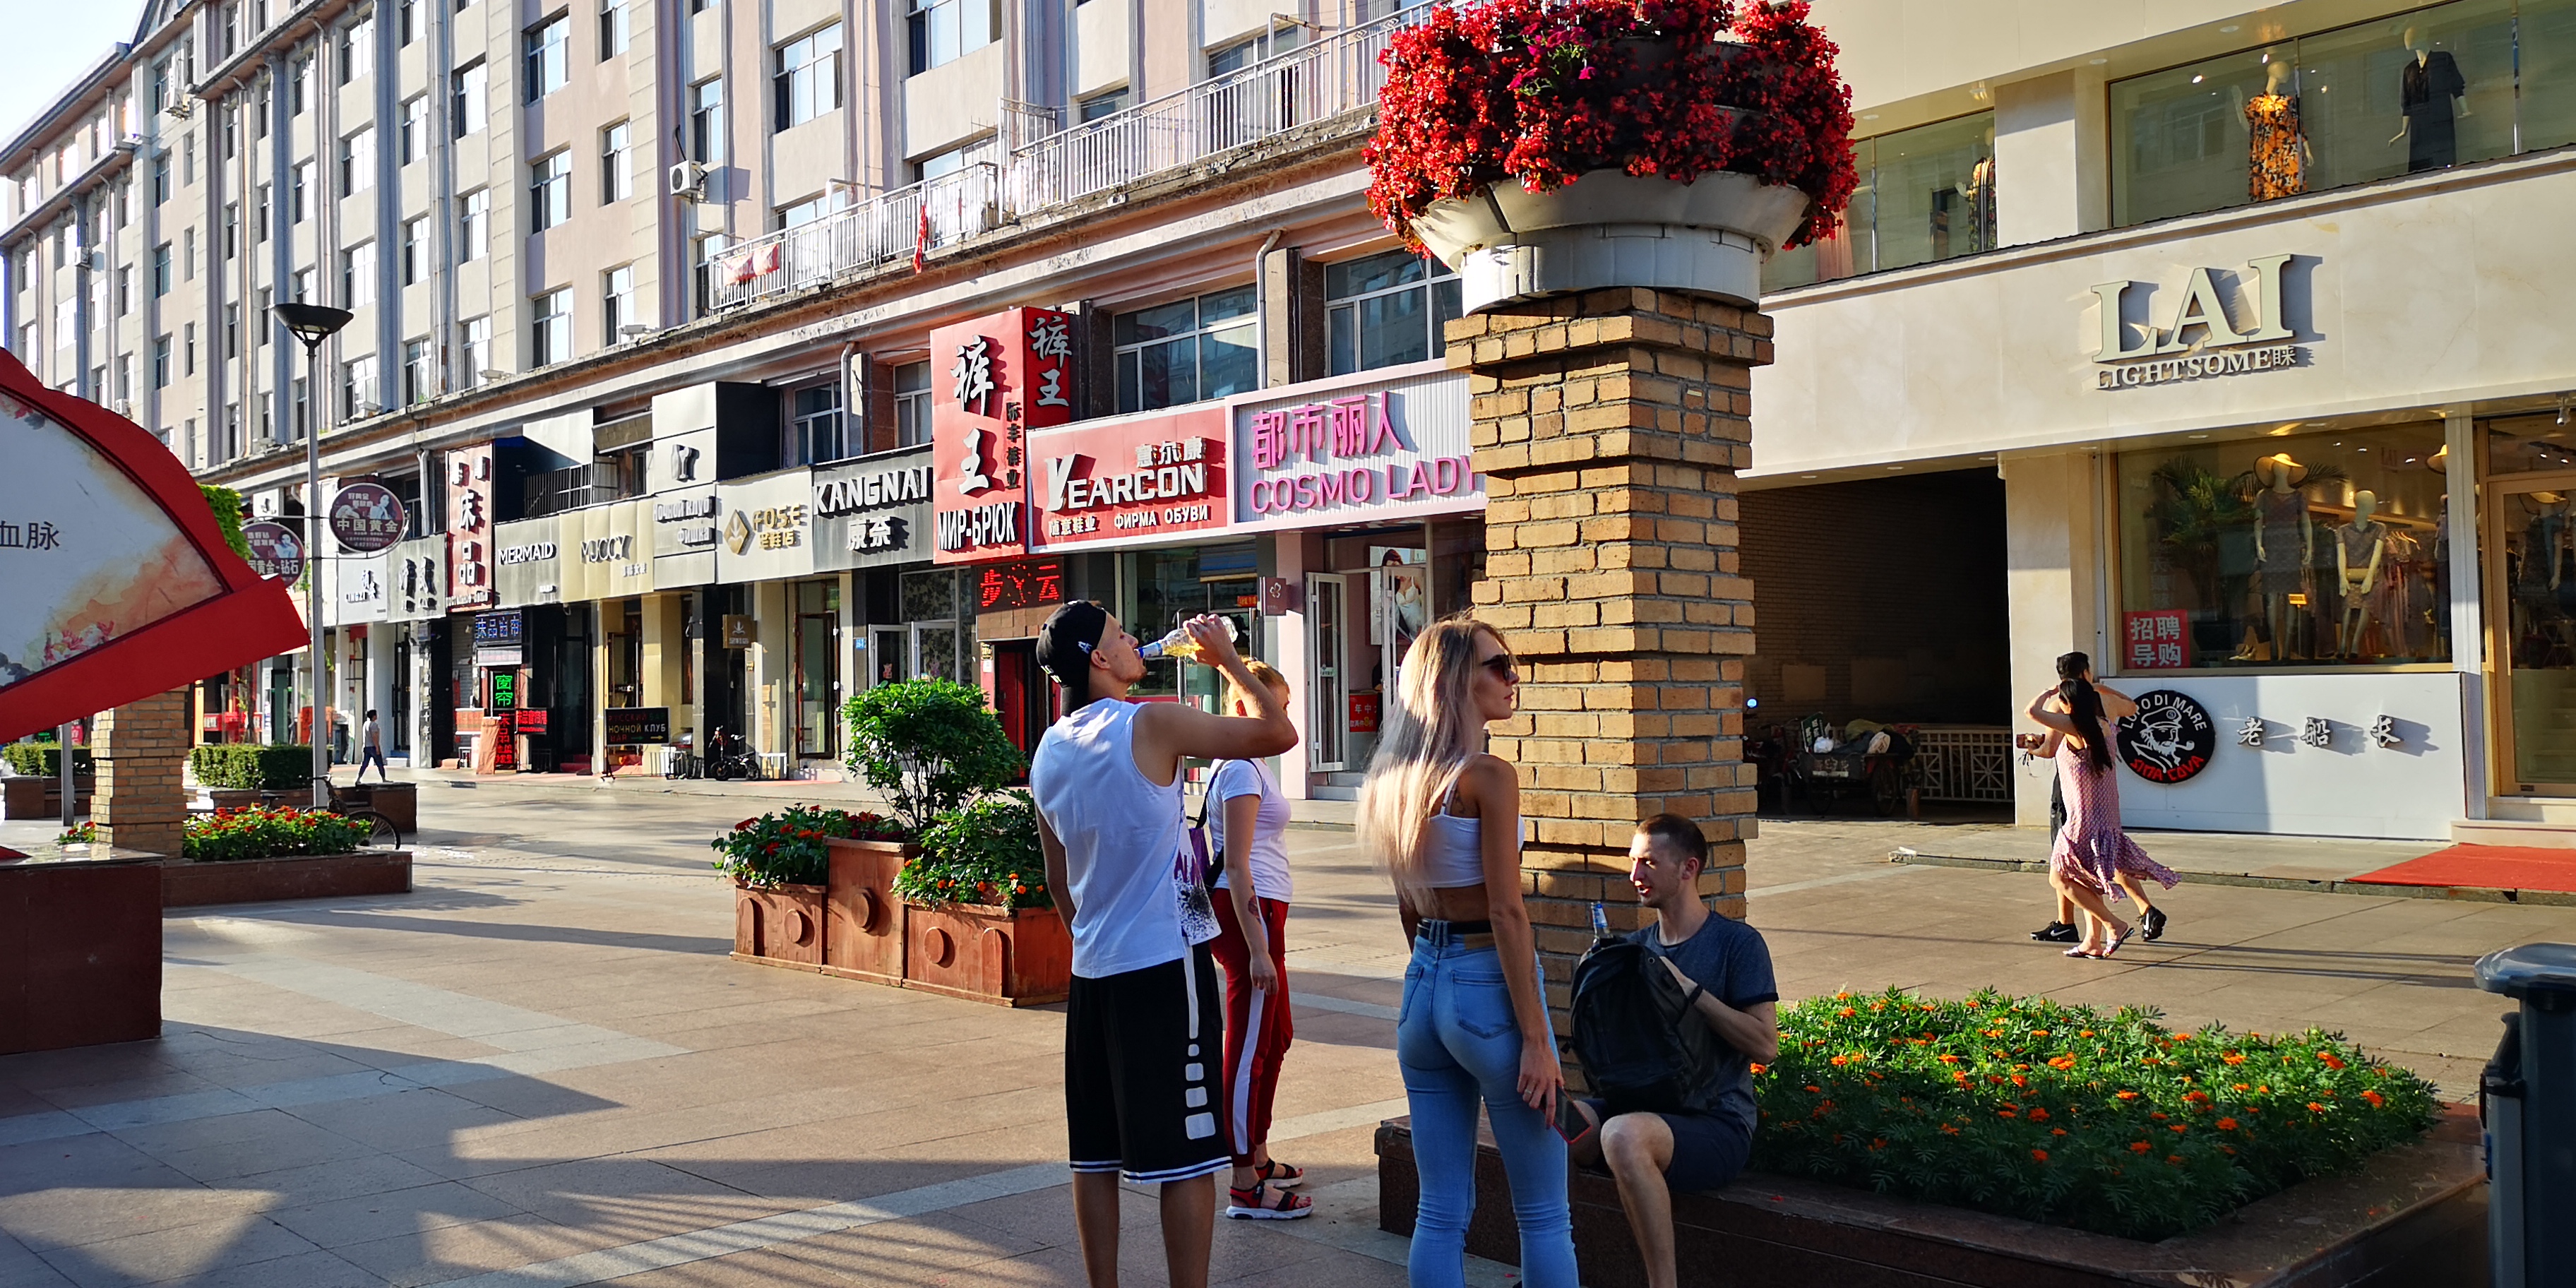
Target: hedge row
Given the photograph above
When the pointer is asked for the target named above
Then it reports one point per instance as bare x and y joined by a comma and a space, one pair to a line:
242, 764
43, 759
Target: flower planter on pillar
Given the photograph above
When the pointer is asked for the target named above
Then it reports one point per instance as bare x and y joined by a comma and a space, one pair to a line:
864, 921
989, 954
779, 926
1609, 228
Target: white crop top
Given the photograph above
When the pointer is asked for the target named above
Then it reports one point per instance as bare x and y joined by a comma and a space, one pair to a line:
1453, 848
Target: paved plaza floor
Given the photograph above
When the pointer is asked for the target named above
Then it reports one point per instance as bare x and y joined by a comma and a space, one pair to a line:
540, 1068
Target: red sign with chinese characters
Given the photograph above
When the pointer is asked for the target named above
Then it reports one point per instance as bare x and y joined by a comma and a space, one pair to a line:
1024, 584
469, 527
1363, 713
2156, 641
1130, 478
992, 381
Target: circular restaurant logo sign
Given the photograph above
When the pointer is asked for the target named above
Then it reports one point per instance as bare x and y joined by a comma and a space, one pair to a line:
276, 550
367, 517
2169, 740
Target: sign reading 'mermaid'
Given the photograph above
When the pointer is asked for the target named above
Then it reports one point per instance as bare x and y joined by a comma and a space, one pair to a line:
2201, 339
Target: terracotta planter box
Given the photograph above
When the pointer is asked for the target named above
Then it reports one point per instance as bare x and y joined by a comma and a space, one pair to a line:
398, 802
988, 954
40, 798
233, 797
865, 925
779, 926
187, 884
80, 952
2413, 1215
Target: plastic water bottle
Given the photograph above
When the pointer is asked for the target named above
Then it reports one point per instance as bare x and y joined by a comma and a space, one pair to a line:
1600, 921
1179, 644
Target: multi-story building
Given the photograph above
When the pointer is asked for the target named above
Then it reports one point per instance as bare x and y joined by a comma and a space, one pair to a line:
2188, 337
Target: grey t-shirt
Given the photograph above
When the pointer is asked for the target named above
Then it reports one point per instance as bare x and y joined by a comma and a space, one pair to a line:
1729, 959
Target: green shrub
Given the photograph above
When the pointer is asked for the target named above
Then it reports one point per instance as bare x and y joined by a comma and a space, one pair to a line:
243, 764
227, 505
787, 847
2065, 1114
44, 759
258, 833
986, 853
930, 745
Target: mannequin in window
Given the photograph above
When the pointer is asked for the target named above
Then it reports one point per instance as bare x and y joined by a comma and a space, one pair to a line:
2284, 542
2361, 547
2430, 94
2277, 155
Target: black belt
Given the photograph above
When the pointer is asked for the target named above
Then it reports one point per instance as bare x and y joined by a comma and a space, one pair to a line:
1451, 929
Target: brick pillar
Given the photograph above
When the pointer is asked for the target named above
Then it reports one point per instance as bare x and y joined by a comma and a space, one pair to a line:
140, 748
1609, 427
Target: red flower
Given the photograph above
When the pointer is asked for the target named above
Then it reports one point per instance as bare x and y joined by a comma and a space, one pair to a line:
2039, 1154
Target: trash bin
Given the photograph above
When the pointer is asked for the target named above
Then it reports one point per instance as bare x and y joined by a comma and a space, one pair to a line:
2527, 1101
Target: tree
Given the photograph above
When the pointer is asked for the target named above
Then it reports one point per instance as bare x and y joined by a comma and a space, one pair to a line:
931, 745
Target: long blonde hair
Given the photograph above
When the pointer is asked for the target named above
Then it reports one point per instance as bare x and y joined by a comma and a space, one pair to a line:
1426, 737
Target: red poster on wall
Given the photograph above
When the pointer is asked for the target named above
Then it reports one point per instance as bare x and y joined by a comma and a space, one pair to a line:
992, 381
115, 581
2155, 641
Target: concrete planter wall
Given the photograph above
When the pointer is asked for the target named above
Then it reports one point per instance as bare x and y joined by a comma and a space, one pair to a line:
193, 884
1610, 228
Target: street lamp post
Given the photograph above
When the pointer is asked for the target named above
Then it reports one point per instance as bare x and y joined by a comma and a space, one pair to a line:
313, 324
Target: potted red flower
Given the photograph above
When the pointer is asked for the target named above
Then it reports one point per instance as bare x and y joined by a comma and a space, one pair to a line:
779, 863
981, 923
1542, 147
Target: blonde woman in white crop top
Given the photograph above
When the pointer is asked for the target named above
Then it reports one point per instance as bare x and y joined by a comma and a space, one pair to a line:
1443, 815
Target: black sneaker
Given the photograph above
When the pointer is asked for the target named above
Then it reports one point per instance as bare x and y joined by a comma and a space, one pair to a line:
2056, 932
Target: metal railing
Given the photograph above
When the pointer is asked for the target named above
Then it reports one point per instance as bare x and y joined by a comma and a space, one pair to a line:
1319, 81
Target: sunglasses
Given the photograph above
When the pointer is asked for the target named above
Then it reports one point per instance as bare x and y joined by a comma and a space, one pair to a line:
1501, 665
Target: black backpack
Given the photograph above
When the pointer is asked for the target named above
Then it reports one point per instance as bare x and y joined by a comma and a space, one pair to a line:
1639, 1049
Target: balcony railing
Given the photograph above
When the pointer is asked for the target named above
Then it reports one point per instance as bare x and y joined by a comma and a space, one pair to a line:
1316, 82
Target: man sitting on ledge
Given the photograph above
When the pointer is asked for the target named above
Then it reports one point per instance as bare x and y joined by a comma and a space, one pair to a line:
1725, 967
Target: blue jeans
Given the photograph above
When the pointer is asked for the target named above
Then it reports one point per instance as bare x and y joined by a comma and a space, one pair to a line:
1457, 1042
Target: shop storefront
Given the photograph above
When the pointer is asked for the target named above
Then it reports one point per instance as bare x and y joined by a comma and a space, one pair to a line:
2240, 472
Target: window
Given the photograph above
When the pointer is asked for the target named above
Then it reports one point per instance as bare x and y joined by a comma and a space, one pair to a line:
188, 159
232, 331
358, 387
470, 100
161, 181
406, 22
125, 377
912, 404
616, 173
942, 31
1236, 57
303, 410
617, 303
612, 29
161, 362
188, 349
187, 254
299, 181
231, 134
808, 81
1925, 194
232, 229
813, 425
297, 82
161, 86
358, 161
477, 351
1100, 105
950, 161
473, 225
124, 288
797, 215
415, 251
710, 248
1185, 351
415, 128
357, 49
416, 381
300, 287
2391, 97
161, 270
358, 276
550, 190
549, 49
2259, 553
706, 122
550, 328
259, 216
263, 302
1387, 309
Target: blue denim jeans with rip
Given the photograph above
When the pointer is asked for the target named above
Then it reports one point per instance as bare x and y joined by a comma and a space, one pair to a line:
1457, 1042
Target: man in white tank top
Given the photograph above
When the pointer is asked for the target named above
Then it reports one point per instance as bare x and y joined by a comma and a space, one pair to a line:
1144, 1032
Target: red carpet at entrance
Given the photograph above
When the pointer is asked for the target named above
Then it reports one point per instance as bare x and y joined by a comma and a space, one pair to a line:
2495, 867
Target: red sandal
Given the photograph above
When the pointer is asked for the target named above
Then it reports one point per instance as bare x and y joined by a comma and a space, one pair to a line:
1261, 1203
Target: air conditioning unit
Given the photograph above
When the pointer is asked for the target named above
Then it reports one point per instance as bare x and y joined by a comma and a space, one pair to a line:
125, 408
688, 181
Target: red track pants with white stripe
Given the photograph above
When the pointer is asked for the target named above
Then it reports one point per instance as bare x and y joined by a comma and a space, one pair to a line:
1257, 1029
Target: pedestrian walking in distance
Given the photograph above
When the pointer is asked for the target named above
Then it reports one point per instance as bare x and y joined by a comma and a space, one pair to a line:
1144, 1031
372, 750
2093, 861
1247, 823
1443, 815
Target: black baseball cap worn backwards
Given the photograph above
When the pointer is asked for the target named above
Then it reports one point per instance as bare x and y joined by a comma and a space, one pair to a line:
1066, 641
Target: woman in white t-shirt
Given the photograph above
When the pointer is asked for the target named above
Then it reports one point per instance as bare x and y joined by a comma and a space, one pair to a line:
1247, 822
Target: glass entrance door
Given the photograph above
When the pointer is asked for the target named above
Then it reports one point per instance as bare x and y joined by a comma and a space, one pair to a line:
2531, 590
1327, 635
